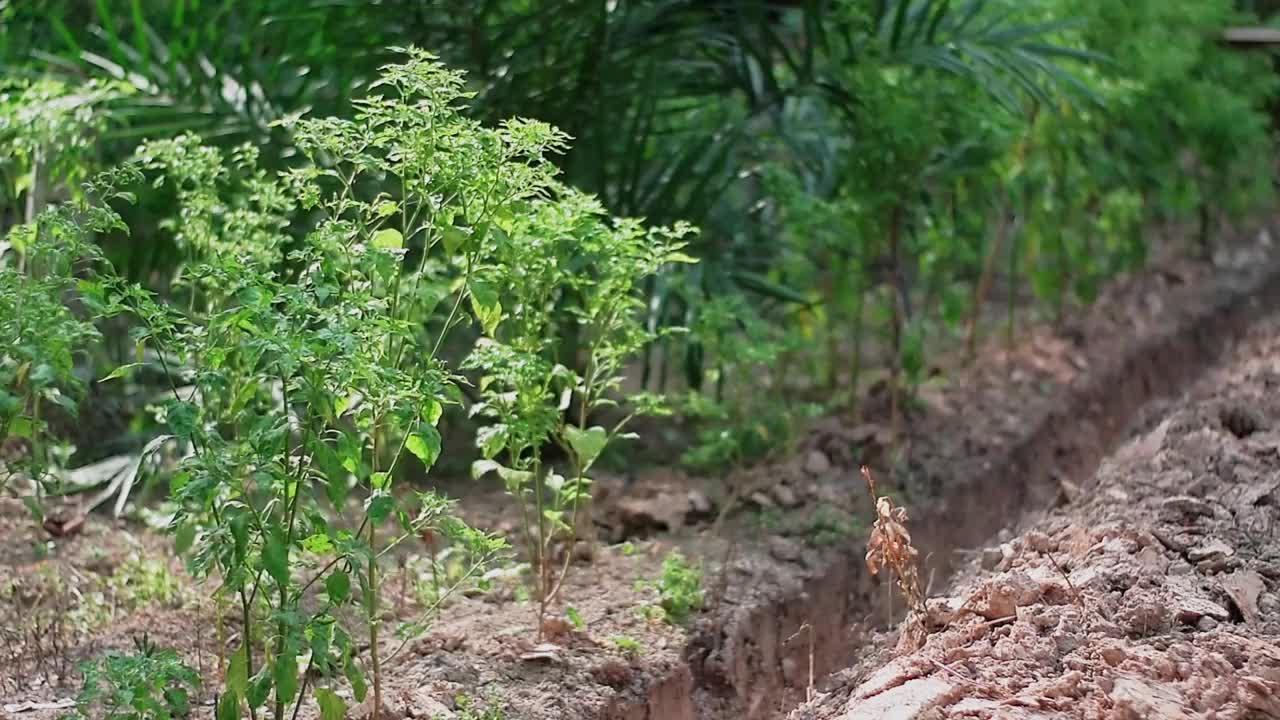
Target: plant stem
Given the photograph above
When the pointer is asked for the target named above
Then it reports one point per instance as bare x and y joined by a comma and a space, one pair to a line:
374, 621
246, 643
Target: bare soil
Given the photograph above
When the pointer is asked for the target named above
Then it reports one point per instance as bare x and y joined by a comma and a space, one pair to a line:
1151, 592
789, 599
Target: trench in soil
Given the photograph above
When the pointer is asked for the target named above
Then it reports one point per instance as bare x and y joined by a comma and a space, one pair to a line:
745, 661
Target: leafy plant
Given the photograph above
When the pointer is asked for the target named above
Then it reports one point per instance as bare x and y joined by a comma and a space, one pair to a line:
679, 589
48, 291
149, 684
563, 250
628, 645
317, 371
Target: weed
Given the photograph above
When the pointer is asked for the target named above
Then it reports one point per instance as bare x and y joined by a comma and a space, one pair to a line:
575, 617
679, 589
471, 709
149, 684
628, 549
628, 645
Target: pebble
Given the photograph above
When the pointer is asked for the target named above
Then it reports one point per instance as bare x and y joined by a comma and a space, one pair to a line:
817, 463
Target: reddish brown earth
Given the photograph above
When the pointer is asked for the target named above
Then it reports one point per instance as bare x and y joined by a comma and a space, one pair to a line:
1151, 593
789, 599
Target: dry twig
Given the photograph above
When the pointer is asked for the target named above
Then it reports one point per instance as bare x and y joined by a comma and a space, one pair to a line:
890, 546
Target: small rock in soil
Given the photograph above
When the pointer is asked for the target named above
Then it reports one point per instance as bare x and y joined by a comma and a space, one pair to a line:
1244, 587
613, 673
784, 549
1191, 609
762, 500
991, 557
1209, 550
817, 463
784, 495
1207, 624
699, 503
1185, 506
364, 711
421, 705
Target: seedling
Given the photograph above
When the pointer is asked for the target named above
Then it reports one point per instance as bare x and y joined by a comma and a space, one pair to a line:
629, 646
149, 684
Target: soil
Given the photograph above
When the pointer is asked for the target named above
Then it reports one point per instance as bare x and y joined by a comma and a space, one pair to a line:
1153, 592
789, 600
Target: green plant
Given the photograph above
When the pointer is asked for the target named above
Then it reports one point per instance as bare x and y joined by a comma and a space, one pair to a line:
471, 709
575, 617
317, 371
49, 291
563, 250
629, 646
679, 589
149, 684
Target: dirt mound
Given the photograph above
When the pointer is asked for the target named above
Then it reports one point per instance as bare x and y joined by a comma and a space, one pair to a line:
1151, 594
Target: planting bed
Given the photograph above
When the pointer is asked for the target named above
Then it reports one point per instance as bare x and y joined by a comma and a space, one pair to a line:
788, 598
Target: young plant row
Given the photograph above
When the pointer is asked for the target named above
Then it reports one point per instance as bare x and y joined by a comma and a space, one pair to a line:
938, 158
310, 342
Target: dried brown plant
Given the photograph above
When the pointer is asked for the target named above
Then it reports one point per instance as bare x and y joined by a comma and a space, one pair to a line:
890, 546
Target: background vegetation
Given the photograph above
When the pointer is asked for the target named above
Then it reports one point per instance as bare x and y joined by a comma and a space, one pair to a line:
873, 183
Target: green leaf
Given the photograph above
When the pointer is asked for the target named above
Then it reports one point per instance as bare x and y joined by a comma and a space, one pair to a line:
331, 706
286, 676
356, 678
485, 305
228, 706
21, 427
388, 239
454, 239
379, 506
238, 673
433, 412
318, 543
338, 587
425, 444
240, 534
587, 444
380, 480
259, 690
185, 536
275, 558
120, 371
480, 468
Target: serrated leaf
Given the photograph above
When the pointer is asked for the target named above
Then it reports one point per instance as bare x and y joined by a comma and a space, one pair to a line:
425, 444
331, 706
319, 543
338, 587
587, 444
388, 239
